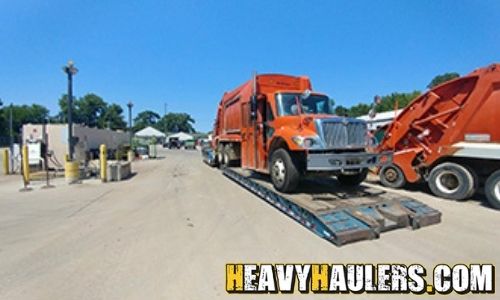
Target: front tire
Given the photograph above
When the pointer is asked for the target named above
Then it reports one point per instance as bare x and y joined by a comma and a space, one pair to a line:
354, 179
284, 172
452, 181
492, 189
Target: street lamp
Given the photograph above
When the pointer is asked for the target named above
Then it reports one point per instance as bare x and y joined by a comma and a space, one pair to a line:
129, 105
70, 70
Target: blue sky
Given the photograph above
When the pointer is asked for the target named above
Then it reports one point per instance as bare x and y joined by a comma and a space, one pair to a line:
187, 53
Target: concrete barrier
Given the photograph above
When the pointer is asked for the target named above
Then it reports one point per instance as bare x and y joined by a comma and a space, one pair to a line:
119, 171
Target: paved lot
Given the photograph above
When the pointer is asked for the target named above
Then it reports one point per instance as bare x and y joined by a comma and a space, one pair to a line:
169, 231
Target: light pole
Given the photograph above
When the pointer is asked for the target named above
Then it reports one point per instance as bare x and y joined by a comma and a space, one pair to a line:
70, 70
129, 105
165, 119
11, 132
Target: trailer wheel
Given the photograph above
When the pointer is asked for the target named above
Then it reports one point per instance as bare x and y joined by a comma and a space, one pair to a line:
492, 189
354, 179
392, 176
451, 181
284, 172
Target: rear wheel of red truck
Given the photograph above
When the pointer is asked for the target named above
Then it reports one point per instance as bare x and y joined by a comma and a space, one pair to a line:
284, 171
492, 189
392, 176
221, 163
452, 181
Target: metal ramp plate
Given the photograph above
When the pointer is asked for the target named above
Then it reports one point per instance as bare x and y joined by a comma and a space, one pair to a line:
343, 217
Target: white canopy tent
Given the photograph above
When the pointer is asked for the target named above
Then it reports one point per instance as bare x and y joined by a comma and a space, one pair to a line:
150, 132
182, 136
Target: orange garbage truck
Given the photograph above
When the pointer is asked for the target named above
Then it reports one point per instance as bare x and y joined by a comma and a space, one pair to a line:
275, 124
449, 137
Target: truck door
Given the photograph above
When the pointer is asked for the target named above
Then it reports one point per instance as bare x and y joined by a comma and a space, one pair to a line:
247, 138
252, 144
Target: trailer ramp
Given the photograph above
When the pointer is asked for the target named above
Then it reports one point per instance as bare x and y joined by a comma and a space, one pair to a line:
339, 215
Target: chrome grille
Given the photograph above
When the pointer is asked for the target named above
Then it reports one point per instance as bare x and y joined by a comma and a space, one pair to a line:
339, 134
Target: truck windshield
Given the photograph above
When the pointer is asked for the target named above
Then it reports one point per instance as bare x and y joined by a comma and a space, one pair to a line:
288, 104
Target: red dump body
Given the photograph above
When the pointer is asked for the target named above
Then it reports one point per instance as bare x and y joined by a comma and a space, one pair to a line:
457, 119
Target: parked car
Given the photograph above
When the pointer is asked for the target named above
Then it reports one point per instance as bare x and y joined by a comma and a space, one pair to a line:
174, 143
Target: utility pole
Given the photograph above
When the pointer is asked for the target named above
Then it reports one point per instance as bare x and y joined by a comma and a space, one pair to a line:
165, 119
11, 131
70, 70
129, 105
11, 137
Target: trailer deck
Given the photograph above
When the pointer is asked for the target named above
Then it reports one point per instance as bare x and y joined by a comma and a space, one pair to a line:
338, 214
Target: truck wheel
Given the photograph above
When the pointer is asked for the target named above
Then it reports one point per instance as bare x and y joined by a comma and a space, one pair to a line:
451, 181
354, 179
492, 189
227, 156
220, 156
284, 172
392, 176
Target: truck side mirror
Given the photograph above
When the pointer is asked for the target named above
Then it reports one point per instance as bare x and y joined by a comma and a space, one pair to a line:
253, 108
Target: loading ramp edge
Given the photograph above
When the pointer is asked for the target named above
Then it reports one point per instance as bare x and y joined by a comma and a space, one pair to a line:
348, 224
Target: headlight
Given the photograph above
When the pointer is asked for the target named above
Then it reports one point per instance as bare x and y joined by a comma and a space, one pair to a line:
308, 142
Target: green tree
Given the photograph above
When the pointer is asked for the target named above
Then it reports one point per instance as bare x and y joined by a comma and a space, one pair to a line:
90, 109
442, 78
144, 119
341, 111
175, 122
112, 118
93, 111
359, 110
388, 102
22, 114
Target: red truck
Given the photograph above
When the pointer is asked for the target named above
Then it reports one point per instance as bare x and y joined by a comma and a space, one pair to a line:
275, 124
449, 137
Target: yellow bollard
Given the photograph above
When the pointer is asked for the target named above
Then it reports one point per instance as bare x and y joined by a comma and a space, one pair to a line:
26, 165
6, 162
72, 171
104, 163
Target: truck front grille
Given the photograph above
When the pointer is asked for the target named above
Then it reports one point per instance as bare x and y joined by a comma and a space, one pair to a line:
338, 134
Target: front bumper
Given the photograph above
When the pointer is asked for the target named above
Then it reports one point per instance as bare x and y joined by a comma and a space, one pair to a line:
346, 161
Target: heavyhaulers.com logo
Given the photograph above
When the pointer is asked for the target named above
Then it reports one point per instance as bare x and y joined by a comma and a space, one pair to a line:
359, 278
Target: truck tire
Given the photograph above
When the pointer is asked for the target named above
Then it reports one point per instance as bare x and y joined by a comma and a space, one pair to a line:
492, 189
392, 176
220, 156
452, 181
227, 155
354, 179
285, 175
